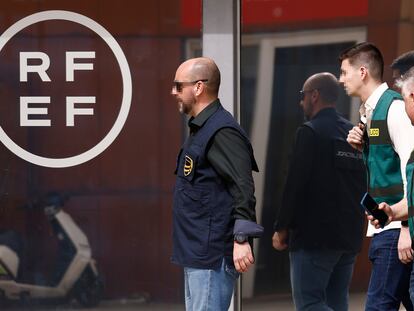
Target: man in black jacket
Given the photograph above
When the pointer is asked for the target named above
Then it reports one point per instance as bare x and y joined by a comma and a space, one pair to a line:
320, 219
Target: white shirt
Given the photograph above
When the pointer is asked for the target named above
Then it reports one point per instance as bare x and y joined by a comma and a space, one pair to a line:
401, 133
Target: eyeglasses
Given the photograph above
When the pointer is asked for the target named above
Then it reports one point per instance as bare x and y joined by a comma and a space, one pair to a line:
302, 93
178, 85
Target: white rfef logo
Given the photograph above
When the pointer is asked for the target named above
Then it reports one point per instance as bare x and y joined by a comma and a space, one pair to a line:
40, 67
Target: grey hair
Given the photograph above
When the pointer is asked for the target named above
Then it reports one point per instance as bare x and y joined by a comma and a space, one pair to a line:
406, 81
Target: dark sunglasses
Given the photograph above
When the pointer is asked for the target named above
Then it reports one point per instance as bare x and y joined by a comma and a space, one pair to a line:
302, 93
178, 85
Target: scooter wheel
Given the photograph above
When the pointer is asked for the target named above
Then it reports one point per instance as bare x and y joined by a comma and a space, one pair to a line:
89, 289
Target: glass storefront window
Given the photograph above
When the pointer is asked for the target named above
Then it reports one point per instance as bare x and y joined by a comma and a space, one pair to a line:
88, 124
282, 44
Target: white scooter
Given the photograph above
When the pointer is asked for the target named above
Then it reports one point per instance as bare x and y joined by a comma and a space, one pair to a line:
75, 273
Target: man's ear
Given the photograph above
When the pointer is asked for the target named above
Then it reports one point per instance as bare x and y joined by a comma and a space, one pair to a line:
199, 88
315, 95
363, 72
411, 97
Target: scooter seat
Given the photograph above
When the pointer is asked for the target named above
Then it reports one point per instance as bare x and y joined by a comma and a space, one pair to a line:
9, 258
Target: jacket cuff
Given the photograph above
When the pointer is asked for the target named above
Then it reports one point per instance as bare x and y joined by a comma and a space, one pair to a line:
247, 227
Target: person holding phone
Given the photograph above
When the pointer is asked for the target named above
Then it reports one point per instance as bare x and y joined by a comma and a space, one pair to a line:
320, 219
385, 137
405, 209
373, 210
402, 79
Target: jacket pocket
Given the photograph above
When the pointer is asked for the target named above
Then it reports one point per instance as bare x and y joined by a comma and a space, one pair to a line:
194, 216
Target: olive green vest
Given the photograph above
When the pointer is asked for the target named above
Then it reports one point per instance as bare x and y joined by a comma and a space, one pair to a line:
410, 193
383, 163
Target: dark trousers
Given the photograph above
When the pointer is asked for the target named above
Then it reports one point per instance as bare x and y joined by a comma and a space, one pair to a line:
320, 279
390, 278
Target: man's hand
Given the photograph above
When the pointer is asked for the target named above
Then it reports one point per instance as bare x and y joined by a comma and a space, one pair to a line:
279, 240
242, 256
387, 209
355, 136
405, 253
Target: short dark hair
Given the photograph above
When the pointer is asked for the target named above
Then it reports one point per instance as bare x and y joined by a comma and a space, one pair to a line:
403, 62
366, 54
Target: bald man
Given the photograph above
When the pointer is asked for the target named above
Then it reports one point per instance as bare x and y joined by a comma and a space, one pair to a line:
214, 217
320, 219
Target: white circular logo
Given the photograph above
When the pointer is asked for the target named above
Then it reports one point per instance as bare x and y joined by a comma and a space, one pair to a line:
126, 97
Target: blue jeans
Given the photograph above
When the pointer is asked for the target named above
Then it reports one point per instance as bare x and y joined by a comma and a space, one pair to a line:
412, 284
320, 279
390, 278
209, 290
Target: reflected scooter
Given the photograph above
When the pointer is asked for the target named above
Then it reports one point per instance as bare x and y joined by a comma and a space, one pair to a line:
75, 274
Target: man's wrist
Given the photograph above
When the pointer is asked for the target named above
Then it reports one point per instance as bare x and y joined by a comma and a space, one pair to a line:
240, 238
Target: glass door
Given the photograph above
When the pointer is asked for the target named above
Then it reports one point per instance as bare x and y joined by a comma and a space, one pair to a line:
273, 71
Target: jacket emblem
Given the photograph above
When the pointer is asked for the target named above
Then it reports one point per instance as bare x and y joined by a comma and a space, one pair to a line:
374, 132
188, 165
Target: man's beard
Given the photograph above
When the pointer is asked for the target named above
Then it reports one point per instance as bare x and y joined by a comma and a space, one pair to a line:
185, 108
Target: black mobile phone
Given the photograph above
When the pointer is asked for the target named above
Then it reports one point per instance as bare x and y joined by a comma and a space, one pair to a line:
372, 209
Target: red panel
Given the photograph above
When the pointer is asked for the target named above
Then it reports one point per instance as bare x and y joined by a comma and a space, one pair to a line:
270, 12
279, 11
151, 136
131, 17
188, 17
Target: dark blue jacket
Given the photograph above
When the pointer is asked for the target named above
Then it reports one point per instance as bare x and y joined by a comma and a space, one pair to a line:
202, 211
325, 183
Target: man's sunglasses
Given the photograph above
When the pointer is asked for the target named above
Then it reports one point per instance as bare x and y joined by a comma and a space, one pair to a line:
302, 93
178, 85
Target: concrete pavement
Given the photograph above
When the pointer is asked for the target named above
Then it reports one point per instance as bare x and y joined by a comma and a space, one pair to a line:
263, 303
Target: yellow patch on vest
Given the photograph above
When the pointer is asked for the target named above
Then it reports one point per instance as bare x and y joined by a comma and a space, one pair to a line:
374, 132
188, 165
